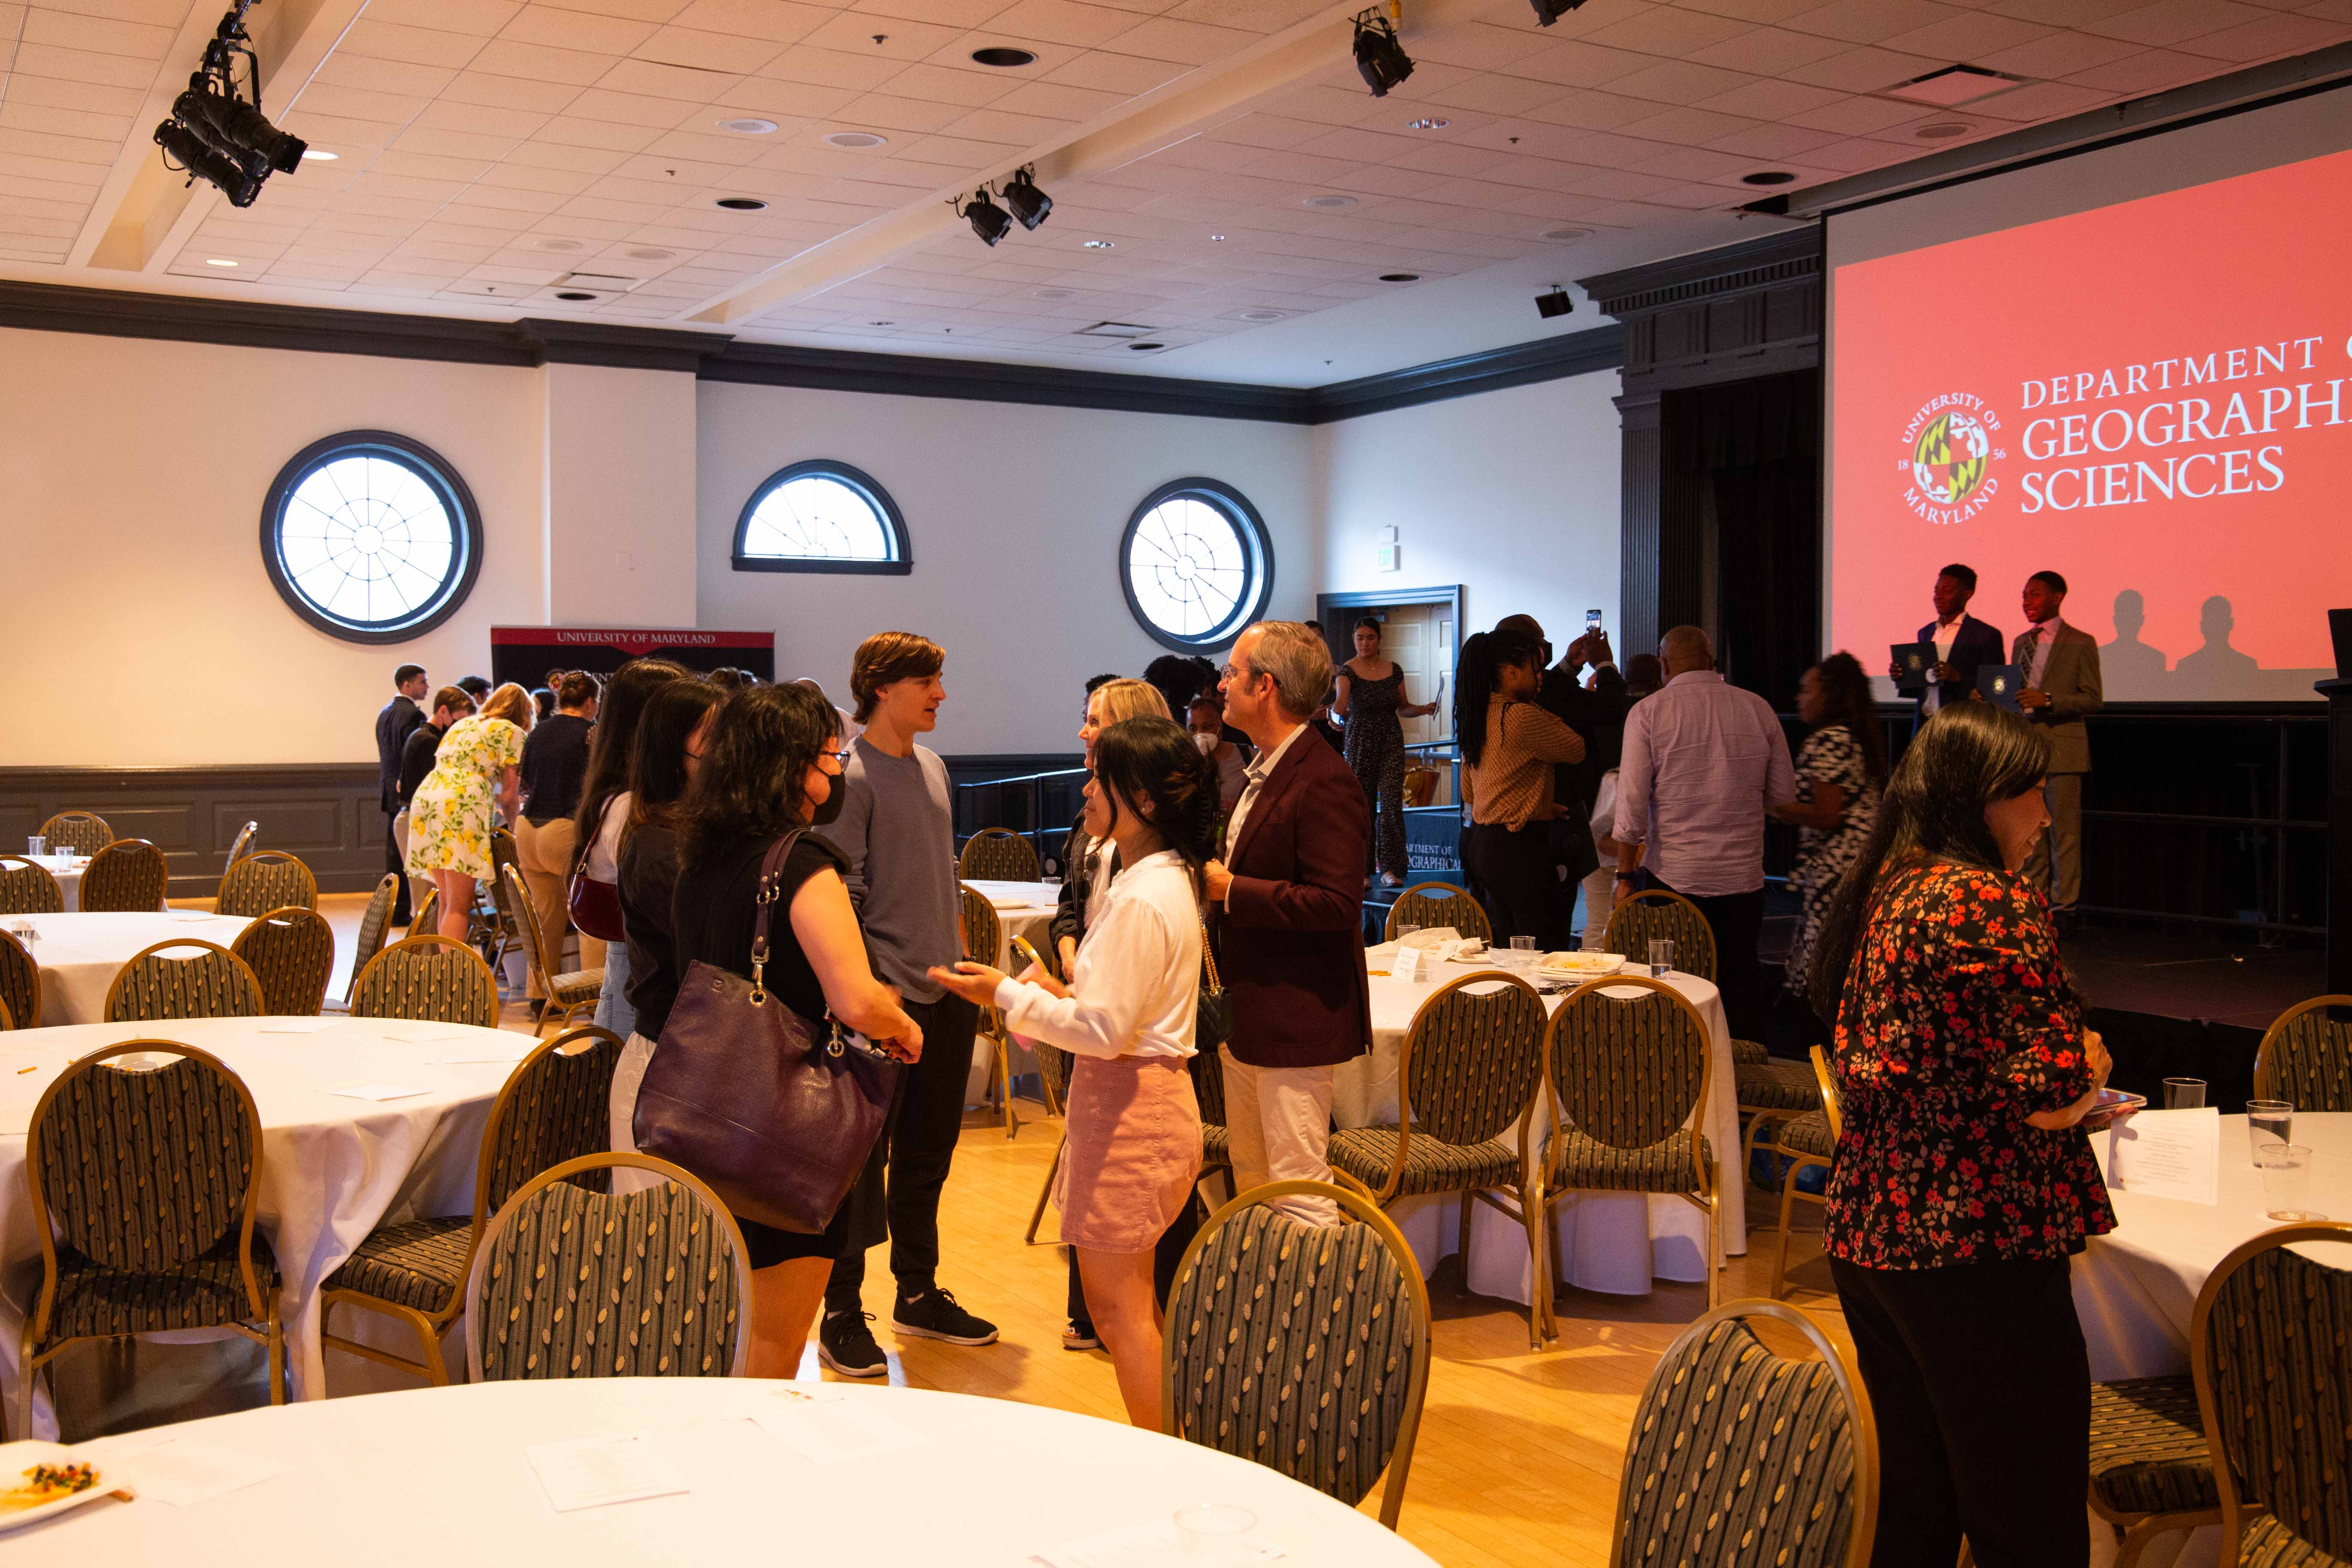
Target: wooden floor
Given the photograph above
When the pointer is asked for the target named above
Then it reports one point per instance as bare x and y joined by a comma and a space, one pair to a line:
1519, 1453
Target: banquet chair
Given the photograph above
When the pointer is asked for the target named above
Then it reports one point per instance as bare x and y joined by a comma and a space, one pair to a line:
1806, 1141
1656, 915
272, 879
2151, 1471
291, 952
2271, 1348
242, 846
145, 1185
28, 888
665, 1268
1262, 1309
983, 940
374, 922
427, 978
1473, 1067
128, 874
1628, 1074
495, 907
1053, 1077
83, 832
997, 855
1427, 904
1741, 1456
573, 992
8, 1019
211, 983
20, 982
2306, 1057
426, 921
554, 1107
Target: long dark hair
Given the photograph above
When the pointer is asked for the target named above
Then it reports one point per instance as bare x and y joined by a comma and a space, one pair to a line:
1846, 699
765, 742
1483, 653
657, 783
1968, 756
609, 742
1152, 764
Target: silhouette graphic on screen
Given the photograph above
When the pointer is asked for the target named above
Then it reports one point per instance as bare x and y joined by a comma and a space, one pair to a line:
2127, 656
2217, 669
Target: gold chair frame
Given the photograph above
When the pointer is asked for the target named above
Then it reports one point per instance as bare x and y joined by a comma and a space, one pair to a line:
2266, 1064
429, 940
379, 906
138, 849
1661, 897
983, 935
241, 845
1447, 893
534, 953
75, 819
425, 921
1801, 1159
31, 970
1356, 1203
271, 858
114, 986
20, 868
293, 915
964, 856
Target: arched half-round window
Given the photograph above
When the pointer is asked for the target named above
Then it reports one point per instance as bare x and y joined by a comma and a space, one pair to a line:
371, 537
1196, 565
822, 516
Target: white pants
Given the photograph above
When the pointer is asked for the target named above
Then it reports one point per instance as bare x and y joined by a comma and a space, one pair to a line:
1278, 1129
627, 1074
1599, 898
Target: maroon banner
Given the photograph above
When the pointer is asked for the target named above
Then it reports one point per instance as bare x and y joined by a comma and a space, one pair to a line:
525, 654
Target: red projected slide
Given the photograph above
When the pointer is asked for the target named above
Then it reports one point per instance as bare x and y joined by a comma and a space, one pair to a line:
2153, 399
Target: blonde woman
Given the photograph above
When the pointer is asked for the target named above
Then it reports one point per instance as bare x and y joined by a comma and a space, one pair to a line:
477, 766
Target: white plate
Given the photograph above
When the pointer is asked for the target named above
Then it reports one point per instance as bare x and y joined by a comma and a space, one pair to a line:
15, 1458
1582, 965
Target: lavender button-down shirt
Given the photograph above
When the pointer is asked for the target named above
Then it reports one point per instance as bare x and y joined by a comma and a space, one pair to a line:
1701, 761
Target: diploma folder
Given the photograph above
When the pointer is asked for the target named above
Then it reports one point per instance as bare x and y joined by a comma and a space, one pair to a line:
2001, 683
1916, 660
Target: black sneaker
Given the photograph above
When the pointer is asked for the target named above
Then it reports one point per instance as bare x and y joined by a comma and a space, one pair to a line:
934, 1315
1081, 1336
845, 1344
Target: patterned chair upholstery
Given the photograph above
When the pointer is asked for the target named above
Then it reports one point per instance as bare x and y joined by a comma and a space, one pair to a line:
983, 939
1805, 1141
2306, 1057
145, 1185
554, 1107
241, 845
1657, 914
1301, 1348
28, 888
498, 908
1053, 1076
1748, 1054
126, 875
664, 1266
1740, 1455
1472, 1068
272, 879
292, 952
1629, 1069
2271, 1349
210, 982
427, 977
374, 922
2150, 1470
569, 993
997, 855
427, 919
20, 982
83, 832
8, 1019
1427, 904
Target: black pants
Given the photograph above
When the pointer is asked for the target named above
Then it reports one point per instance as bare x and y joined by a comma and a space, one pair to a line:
1517, 875
928, 1115
394, 862
1981, 1390
1738, 921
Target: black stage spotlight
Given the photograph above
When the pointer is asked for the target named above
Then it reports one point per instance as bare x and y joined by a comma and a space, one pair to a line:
238, 124
987, 219
1379, 56
1551, 11
1029, 204
217, 132
196, 157
1556, 303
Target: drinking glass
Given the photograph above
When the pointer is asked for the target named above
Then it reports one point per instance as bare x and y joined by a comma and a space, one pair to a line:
2184, 1093
1209, 1528
1662, 956
2287, 1179
1405, 931
26, 932
36, 846
2268, 1121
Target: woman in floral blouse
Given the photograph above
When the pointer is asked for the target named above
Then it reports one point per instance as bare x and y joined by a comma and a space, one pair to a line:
1964, 1179
476, 767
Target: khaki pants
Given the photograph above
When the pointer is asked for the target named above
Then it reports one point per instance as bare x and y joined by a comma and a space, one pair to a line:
544, 855
2057, 862
1278, 1129
419, 887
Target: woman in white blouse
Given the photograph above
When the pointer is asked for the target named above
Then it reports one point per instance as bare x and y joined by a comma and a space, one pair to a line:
1134, 1128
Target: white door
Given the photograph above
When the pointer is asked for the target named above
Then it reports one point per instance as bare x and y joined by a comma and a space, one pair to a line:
1420, 638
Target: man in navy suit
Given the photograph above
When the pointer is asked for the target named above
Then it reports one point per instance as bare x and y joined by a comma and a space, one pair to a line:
1962, 641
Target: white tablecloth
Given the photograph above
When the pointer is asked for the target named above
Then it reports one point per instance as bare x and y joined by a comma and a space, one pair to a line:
1611, 1242
1022, 909
79, 954
440, 1476
333, 1168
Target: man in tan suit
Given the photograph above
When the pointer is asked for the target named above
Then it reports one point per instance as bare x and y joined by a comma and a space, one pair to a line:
2061, 671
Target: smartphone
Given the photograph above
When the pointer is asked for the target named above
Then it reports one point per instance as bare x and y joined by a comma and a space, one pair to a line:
1021, 945
1592, 620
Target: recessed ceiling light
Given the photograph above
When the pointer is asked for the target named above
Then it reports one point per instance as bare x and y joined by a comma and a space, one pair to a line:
1218, 237
320, 155
558, 244
573, 294
1564, 235
1331, 204
648, 252
743, 204
749, 125
1003, 59
218, 261
1102, 244
1139, 348
855, 140
1953, 84
1264, 315
1052, 293
1769, 177
1942, 129
1427, 124
882, 323
1399, 277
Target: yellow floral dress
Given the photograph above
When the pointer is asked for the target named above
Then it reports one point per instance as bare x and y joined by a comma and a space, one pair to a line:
449, 814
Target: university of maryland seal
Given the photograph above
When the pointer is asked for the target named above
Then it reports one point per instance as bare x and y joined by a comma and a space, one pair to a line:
1951, 459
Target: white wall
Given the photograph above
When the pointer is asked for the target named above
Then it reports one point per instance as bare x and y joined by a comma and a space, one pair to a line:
1013, 515
619, 518
1513, 494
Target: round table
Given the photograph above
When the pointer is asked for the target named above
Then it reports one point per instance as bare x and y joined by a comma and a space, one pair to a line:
442, 1475
333, 1167
79, 954
1023, 910
1615, 1243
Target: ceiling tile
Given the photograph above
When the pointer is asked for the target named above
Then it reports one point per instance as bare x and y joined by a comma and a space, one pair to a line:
702, 52
50, 93
1689, 127
2267, 38
478, 87
1667, 31
902, 39
2039, 100
484, 17
154, 13
1761, 11
1866, 71
1191, 43
833, 69
2170, 22
630, 108
535, 62
1062, 22
1858, 116
1579, 65
413, 45
1679, 81
557, 28
2058, 55
1768, 51
1495, 94
83, 65
19, 115
1968, 36
775, 21
63, 30
565, 131
1774, 141
675, 84
2145, 70
1109, 72
1871, 21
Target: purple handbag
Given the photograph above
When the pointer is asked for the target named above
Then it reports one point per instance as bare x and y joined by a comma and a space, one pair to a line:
741, 1092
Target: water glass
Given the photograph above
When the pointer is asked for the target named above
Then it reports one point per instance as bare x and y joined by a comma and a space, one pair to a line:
2184, 1093
2287, 1179
2268, 1121
1662, 956
26, 932
1209, 1528
1405, 931
36, 846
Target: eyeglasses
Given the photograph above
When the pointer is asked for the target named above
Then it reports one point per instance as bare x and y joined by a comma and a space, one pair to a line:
841, 756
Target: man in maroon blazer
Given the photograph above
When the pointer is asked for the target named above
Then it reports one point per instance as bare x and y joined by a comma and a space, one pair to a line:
1289, 931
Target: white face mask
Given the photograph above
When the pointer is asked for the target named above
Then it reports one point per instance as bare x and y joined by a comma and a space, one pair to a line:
1206, 740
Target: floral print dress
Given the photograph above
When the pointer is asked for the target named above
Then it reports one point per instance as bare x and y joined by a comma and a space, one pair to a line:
449, 815
1957, 1023
1831, 755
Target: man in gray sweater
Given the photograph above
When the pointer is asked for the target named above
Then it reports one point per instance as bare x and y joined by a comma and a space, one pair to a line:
897, 829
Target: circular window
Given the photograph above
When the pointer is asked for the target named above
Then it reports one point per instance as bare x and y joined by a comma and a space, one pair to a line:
822, 516
1196, 565
371, 537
